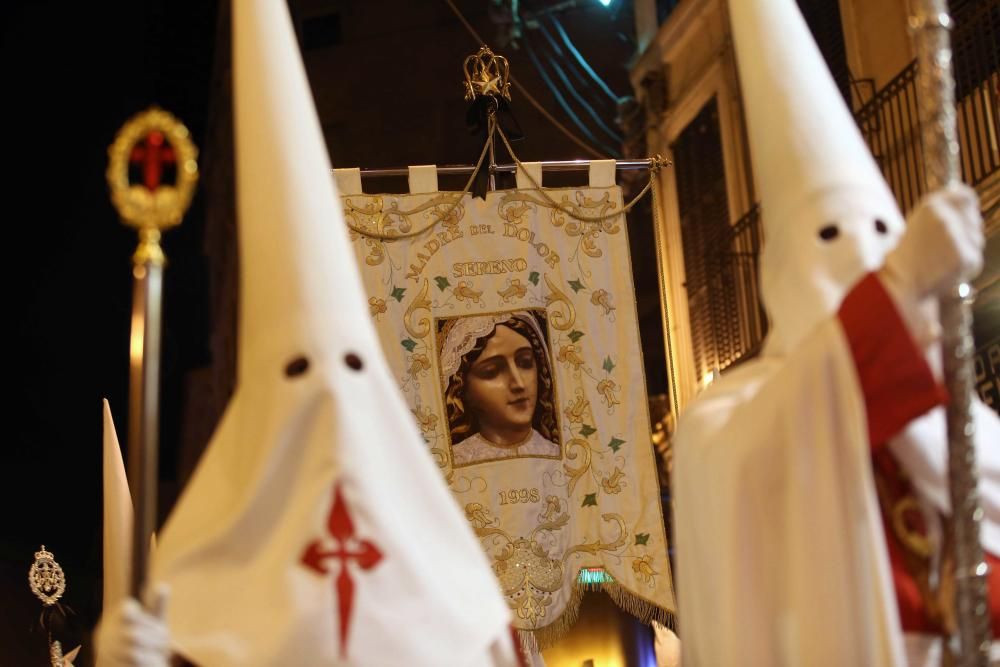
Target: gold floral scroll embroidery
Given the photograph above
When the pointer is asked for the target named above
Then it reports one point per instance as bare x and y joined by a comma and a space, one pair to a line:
419, 303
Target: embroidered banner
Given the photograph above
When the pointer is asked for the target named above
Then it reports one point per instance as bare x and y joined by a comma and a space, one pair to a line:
511, 326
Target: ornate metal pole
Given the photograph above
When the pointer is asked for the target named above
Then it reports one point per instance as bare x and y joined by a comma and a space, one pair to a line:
931, 23
154, 148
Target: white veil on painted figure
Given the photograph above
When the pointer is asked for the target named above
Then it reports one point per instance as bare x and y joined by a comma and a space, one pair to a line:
464, 341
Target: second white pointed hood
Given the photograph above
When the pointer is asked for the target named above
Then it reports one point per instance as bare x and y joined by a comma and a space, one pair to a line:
117, 517
828, 215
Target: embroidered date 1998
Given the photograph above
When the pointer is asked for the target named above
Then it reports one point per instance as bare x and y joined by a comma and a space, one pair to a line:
512, 496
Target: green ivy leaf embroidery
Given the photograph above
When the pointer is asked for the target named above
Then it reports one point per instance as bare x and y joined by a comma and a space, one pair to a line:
641, 538
587, 429
608, 365
615, 444
589, 499
397, 293
533, 277
409, 344
575, 335
576, 285
442, 282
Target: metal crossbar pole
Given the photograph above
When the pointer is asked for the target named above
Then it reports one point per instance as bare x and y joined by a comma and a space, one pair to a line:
548, 165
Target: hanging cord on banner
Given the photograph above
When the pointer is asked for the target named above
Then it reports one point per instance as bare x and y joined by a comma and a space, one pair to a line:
521, 89
392, 236
655, 164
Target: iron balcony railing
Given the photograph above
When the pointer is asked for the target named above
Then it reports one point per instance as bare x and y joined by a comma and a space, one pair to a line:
890, 120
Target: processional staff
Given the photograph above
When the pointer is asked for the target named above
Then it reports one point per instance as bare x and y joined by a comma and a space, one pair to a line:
152, 172
931, 23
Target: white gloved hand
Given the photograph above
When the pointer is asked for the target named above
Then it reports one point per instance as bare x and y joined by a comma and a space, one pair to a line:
130, 636
942, 245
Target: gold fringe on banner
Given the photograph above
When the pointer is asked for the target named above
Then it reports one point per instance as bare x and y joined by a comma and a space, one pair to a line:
533, 641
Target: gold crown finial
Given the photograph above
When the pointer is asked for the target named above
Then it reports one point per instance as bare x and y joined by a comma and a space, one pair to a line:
486, 75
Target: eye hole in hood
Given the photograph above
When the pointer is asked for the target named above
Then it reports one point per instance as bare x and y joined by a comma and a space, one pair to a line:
829, 232
296, 367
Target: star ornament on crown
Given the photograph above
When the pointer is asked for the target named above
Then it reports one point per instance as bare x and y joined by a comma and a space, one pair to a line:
486, 75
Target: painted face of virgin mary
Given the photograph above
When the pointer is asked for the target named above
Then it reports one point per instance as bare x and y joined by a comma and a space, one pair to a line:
502, 386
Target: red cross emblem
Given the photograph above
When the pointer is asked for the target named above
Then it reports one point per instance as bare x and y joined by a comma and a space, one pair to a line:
348, 547
152, 156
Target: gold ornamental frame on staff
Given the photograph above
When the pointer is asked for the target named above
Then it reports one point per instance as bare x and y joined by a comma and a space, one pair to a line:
156, 138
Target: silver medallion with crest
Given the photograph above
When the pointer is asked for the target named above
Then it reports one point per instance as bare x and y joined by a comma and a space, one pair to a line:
46, 577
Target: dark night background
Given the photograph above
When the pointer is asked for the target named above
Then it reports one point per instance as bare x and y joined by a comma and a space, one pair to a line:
73, 73
386, 75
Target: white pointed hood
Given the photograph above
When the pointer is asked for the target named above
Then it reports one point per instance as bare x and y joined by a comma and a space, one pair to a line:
317, 529
813, 171
117, 517
293, 251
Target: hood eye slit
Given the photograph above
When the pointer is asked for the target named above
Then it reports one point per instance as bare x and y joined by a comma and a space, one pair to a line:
829, 232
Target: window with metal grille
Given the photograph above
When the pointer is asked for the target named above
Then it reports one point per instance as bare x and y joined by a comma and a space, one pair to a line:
720, 258
704, 217
976, 43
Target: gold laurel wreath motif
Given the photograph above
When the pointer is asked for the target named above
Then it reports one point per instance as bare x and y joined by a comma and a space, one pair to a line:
139, 206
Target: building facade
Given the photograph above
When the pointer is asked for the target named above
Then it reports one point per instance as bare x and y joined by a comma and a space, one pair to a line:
686, 81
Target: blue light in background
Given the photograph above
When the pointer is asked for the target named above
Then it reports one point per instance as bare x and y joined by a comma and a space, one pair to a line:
645, 646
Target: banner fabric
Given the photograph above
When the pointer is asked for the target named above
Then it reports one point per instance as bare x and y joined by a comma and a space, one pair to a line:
511, 327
